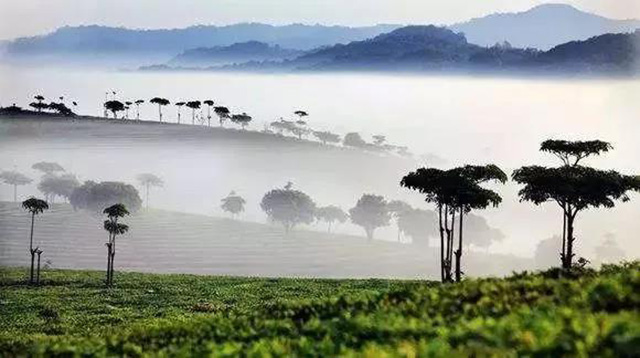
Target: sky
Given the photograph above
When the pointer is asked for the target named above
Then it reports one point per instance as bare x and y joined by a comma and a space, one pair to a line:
33, 17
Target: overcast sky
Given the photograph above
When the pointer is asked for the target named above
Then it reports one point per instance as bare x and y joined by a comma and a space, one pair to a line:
32, 17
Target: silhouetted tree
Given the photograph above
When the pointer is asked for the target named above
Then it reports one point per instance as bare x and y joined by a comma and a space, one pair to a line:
114, 228
160, 102
16, 179
39, 105
289, 207
94, 196
35, 207
148, 180
574, 187
126, 108
208, 103
222, 113
455, 191
301, 114
242, 120
193, 105
179, 105
63, 186
48, 168
114, 107
327, 137
138, 103
331, 214
370, 213
61, 108
233, 204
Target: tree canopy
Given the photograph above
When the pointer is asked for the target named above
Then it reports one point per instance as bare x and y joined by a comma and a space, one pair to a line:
95, 197
62, 186
233, 203
289, 207
370, 212
48, 167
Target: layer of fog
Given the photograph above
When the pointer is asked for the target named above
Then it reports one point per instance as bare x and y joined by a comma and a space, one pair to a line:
461, 120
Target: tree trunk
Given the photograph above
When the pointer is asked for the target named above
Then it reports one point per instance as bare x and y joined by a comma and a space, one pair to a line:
113, 256
369, 232
33, 216
147, 195
38, 272
15, 193
459, 251
209, 116
160, 112
563, 254
441, 243
570, 239
108, 262
31, 274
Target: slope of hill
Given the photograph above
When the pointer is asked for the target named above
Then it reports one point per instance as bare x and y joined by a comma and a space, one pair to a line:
87, 44
161, 241
541, 27
236, 53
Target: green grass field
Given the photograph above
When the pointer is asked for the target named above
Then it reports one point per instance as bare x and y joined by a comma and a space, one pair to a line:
528, 315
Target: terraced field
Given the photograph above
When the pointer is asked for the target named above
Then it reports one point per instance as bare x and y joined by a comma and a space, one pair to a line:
170, 242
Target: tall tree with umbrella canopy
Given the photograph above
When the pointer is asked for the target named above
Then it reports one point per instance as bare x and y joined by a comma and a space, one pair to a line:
209, 103
15, 179
148, 180
161, 102
179, 105
222, 113
114, 228
138, 103
35, 207
193, 105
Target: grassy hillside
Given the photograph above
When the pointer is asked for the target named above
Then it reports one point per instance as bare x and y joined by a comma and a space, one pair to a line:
163, 241
596, 314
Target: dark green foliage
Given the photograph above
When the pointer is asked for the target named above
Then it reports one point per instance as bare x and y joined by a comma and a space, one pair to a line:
527, 315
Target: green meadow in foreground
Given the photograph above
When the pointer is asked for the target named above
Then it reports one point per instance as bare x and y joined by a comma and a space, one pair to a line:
592, 314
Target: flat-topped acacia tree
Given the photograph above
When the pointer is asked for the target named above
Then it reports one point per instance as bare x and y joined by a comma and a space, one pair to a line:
222, 113
179, 105
193, 105
138, 103
35, 207
114, 107
161, 102
456, 191
209, 103
573, 187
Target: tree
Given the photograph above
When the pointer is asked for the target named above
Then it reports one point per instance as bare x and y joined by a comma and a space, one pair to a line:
114, 107
208, 103
38, 106
370, 212
609, 251
327, 137
222, 113
48, 168
455, 191
289, 207
160, 102
148, 180
61, 108
573, 187
193, 105
354, 140
378, 140
35, 207
127, 106
63, 186
301, 114
179, 105
418, 224
16, 179
138, 103
241, 119
94, 196
233, 204
114, 228
331, 214
397, 208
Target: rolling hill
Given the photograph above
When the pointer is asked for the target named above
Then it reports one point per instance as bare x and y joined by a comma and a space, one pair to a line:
542, 27
163, 241
236, 53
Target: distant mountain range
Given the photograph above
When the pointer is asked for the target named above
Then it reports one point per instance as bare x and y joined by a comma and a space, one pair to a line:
430, 48
99, 43
236, 53
541, 27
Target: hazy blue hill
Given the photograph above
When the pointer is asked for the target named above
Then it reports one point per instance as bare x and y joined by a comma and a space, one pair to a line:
236, 53
89, 42
610, 52
541, 27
